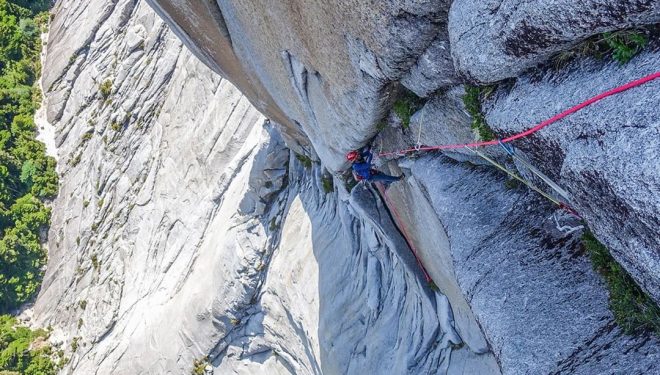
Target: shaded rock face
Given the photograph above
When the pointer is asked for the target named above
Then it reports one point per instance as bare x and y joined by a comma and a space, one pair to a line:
433, 70
525, 276
326, 71
605, 156
342, 290
513, 36
184, 228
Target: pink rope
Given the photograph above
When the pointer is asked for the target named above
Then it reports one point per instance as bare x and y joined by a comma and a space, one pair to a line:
538, 127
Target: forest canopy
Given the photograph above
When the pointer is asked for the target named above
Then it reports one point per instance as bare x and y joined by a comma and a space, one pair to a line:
27, 179
27, 174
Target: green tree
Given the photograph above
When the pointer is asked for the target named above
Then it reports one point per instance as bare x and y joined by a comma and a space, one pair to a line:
27, 174
15, 352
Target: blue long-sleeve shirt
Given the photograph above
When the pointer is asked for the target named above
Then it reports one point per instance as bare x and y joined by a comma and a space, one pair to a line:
363, 169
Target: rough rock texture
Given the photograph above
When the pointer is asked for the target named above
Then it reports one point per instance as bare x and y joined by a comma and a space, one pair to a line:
433, 70
442, 120
185, 227
606, 156
146, 199
530, 285
342, 290
176, 196
512, 36
328, 65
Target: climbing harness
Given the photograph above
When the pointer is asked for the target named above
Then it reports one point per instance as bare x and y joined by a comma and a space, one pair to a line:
404, 231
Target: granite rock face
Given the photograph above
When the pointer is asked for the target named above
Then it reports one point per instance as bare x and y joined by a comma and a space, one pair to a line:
185, 228
513, 36
433, 70
342, 290
151, 178
328, 66
525, 276
188, 232
606, 156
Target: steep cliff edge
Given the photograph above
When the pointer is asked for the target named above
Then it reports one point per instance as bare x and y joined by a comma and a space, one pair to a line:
187, 234
334, 68
432, 47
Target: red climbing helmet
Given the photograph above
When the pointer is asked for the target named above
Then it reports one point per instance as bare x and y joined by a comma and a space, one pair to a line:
352, 156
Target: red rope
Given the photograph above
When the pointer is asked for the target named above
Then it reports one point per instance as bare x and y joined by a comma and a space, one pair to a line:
538, 127
526, 133
400, 224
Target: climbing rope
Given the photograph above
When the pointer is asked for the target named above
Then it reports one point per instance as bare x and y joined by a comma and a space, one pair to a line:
536, 128
419, 134
514, 175
473, 147
404, 231
512, 152
549, 197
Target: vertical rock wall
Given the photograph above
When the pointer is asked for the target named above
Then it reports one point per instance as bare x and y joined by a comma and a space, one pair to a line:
186, 229
183, 232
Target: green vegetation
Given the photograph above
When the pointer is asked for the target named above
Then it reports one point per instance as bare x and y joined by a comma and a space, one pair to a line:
621, 45
472, 100
75, 160
27, 175
95, 261
511, 184
105, 89
328, 183
633, 310
272, 226
87, 136
406, 106
625, 44
74, 344
23, 351
199, 366
304, 160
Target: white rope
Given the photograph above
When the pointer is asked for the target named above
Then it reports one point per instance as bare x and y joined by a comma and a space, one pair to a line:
543, 177
566, 229
419, 135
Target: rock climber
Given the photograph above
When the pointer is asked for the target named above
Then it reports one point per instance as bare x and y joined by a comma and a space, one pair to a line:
364, 170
